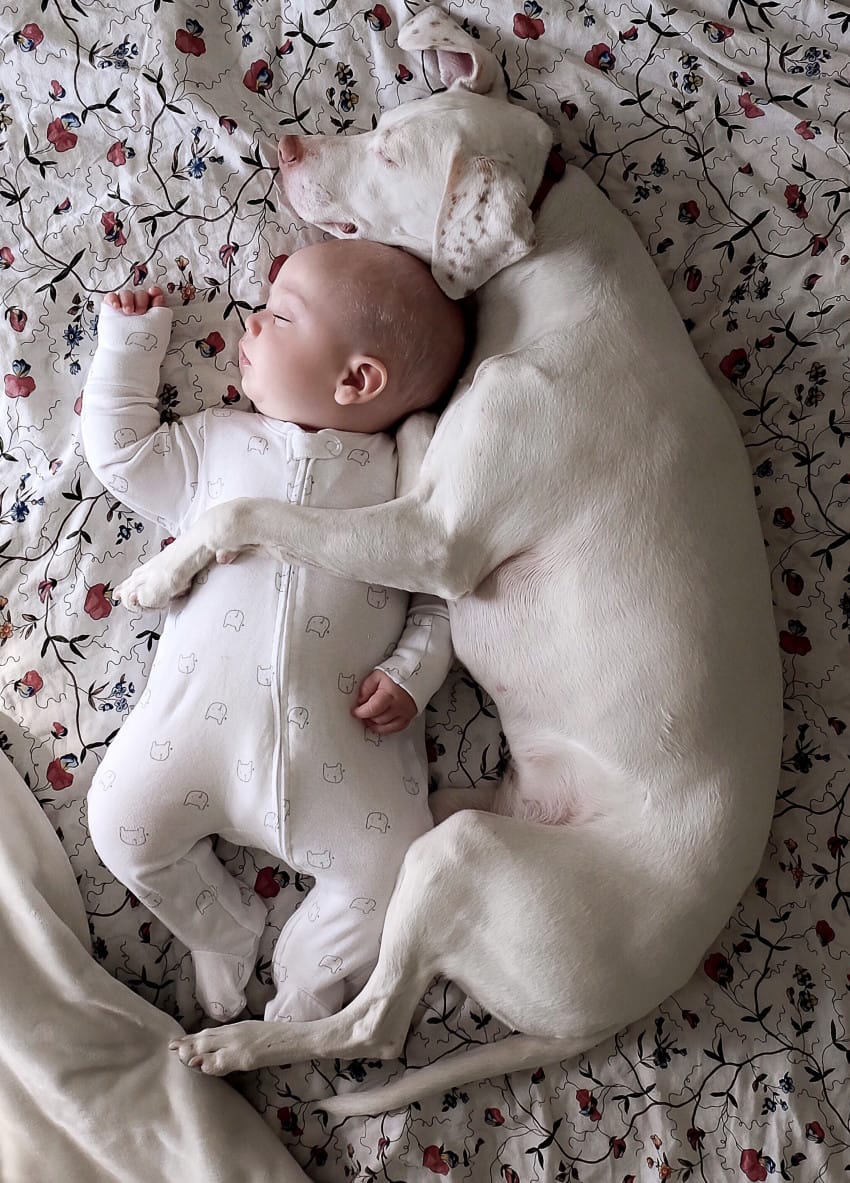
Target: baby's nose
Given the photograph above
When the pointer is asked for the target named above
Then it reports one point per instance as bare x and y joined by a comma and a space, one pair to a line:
252, 324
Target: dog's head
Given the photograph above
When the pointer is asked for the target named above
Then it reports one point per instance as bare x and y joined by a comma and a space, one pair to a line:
449, 177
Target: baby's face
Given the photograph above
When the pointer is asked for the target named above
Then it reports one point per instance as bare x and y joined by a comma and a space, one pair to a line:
291, 354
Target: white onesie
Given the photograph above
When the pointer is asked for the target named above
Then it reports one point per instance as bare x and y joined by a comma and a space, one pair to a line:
244, 727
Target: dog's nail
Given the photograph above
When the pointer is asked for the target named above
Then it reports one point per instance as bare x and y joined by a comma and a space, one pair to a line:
196, 1062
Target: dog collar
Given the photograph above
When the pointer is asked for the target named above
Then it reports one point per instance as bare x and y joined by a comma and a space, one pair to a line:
552, 173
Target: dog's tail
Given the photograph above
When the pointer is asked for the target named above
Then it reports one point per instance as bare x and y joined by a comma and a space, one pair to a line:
460, 1067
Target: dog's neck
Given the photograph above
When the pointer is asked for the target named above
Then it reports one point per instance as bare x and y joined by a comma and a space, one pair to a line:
552, 173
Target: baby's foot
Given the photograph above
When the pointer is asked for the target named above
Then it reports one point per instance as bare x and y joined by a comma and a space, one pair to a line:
220, 981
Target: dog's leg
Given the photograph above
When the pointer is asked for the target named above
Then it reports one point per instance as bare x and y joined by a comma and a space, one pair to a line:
402, 543
374, 1024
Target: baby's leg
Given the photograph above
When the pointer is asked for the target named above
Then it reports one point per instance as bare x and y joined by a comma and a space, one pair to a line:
150, 829
330, 941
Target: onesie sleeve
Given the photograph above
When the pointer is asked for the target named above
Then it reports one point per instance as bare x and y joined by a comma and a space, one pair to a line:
151, 467
424, 654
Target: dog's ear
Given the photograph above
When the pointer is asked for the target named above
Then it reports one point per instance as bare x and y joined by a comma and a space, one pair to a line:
484, 224
461, 61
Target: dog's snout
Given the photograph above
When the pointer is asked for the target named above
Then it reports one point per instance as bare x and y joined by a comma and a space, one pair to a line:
289, 149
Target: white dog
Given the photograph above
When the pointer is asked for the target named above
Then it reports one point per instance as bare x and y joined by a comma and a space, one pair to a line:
586, 507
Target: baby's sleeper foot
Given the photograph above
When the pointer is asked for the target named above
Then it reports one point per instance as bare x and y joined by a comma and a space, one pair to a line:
291, 1002
220, 981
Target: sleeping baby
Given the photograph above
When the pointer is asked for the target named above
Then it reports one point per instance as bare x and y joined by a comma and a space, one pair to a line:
281, 702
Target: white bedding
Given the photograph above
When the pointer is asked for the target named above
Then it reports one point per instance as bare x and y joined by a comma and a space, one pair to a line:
138, 146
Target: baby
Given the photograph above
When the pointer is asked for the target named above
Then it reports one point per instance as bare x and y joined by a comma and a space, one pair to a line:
280, 703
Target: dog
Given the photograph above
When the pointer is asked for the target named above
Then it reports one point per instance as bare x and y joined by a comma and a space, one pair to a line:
586, 507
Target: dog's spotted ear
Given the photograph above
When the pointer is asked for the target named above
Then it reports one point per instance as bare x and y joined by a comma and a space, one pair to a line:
461, 61
484, 224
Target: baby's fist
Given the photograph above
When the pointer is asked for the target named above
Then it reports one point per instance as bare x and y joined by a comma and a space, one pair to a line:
135, 302
382, 704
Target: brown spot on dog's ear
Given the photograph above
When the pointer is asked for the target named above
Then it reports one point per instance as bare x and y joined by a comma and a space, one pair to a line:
479, 218
450, 276
482, 197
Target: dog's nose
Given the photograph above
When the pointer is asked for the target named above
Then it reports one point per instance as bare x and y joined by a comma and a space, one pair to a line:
289, 149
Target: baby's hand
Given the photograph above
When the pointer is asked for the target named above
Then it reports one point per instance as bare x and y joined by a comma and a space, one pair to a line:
382, 705
133, 302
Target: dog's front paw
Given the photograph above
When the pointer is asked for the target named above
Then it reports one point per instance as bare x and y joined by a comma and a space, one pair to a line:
220, 1050
152, 586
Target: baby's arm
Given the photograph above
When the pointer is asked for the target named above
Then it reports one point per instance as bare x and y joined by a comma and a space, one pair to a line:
152, 468
400, 688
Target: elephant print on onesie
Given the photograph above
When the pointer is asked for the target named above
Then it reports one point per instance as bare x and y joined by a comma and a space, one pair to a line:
269, 682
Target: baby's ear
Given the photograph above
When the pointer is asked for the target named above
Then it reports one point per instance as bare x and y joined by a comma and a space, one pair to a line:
363, 380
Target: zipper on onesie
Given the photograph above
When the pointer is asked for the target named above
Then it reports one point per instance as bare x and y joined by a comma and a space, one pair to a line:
296, 493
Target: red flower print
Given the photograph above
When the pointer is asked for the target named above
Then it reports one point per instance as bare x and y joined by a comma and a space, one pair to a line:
228, 124
796, 201
266, 884
814, 1131
804, 130
98, 604
750, 109
718, 969
744, 79
286, 48
793, 581
509, 1175
689, 211
212, 344
277, 262
618, 1147
794, 643
259, 78
18, 387
59, 776
187, 42
289, 1120
601, 57
693, 278
716, 32
59, 730
29, 684
587, 1105
746, 170
569, 109
825, 932
629, 35
527, 27
230, 396
116, 154
819, 244
113, 228
17, 319
402, 74
753, 1166
784, 517
695, 1137
6, 257
839, 728
810, 281
735, 365
378, 18
60, 137
29, 38
493, 1117
432, 1158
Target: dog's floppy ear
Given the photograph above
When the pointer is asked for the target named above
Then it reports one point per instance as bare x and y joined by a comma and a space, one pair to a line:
461, 61
484, 224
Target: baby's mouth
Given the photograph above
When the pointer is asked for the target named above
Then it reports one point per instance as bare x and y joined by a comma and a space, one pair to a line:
243, 358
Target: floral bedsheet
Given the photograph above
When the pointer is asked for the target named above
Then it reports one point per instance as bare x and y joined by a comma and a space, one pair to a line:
137, 146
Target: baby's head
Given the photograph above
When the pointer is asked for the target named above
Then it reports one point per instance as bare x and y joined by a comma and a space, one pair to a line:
355, 336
